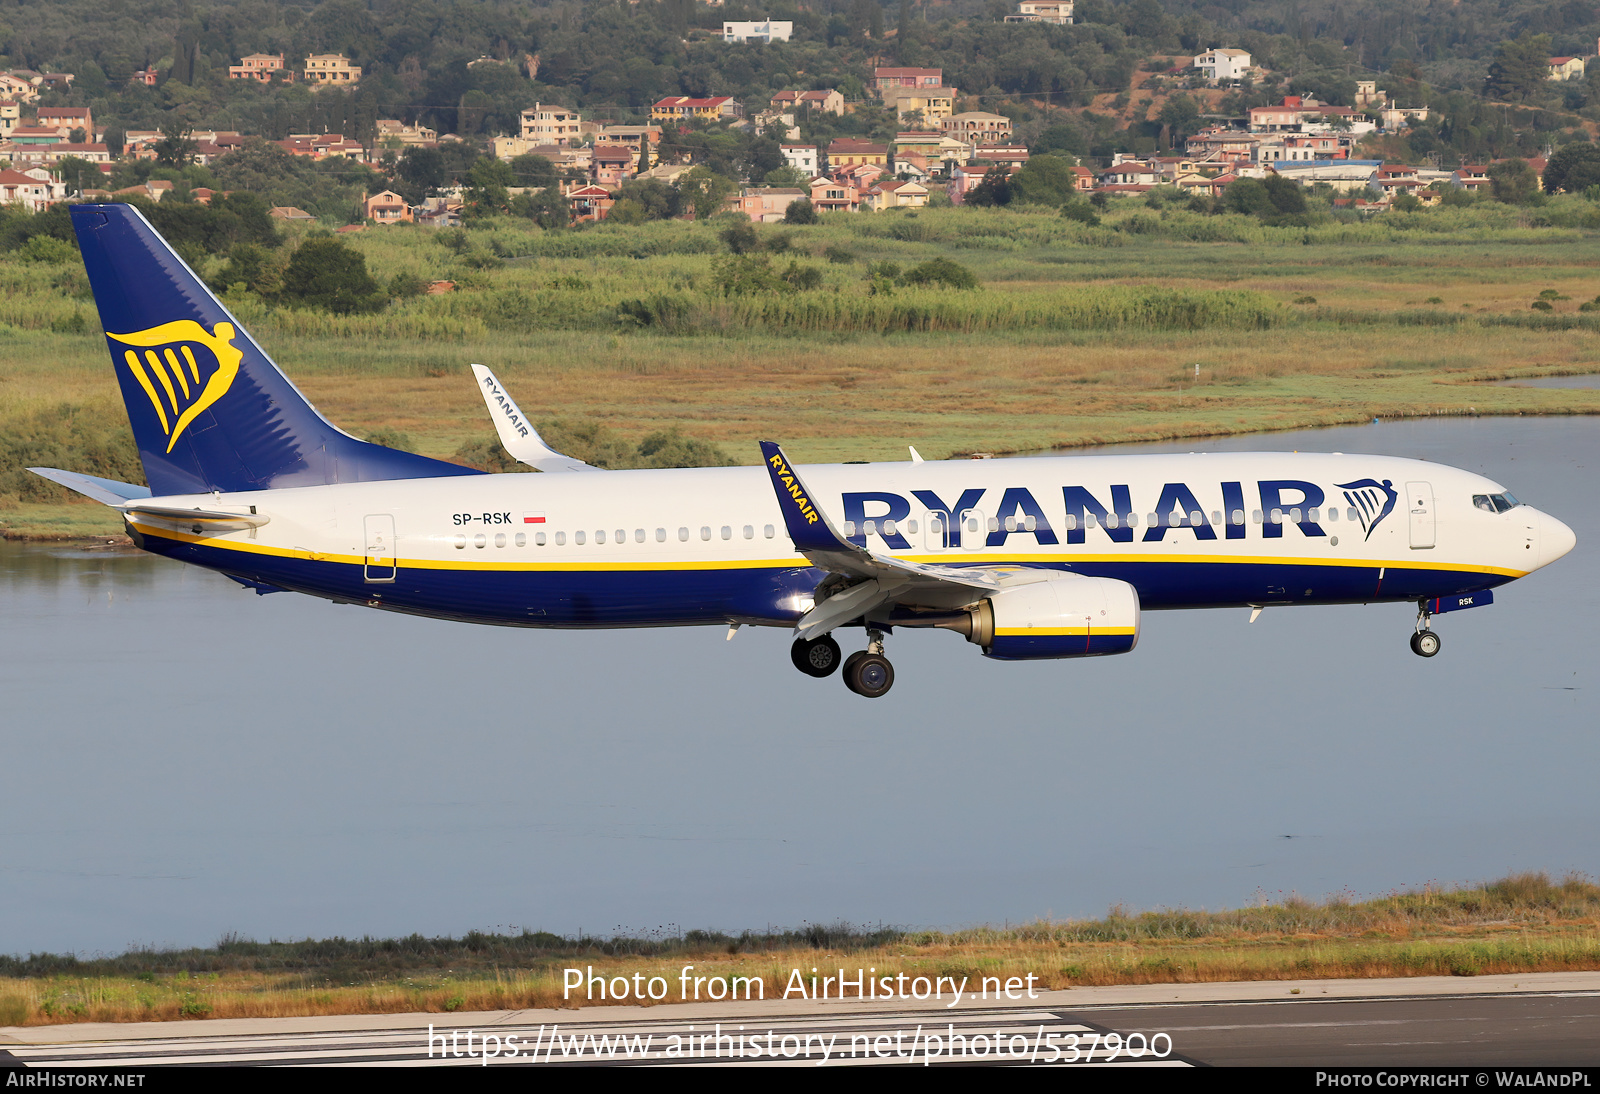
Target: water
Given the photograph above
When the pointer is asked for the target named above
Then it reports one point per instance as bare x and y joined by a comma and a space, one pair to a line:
1590, 380
180, 758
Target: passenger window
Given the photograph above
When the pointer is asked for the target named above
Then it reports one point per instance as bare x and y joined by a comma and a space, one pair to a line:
1153, 520
911, 527
1072, 522
1133, 520
683, 535
727, 533
705, 533
1029, 524
749, 532
1350, 513
661, 535
577, 538
1011, 524
561, 539
522, 540
1238, 517
1333, 514
1277, 516
480, 540
599, 537
869, 527
461, 543
1088, 521
1255, 516
770, 531
622, 535
1216, 516
1294, 515
499, 539
888, 528
538, 539
849, 528
1197, 519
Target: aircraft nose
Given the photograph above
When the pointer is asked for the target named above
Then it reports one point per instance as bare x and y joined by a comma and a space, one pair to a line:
1555, 539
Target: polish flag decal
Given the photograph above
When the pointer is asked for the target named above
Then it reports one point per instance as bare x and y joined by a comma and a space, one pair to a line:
533, 518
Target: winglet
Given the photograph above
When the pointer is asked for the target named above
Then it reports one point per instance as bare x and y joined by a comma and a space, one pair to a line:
808, 527
517, 434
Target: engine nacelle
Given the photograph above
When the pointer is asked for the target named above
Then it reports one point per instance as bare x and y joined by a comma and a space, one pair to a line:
1066, 616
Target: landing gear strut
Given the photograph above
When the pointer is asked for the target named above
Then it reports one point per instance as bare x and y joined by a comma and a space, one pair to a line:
868, 672
1424, 643
817, 657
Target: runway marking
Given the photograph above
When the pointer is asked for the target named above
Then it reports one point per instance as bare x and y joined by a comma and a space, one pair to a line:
409, 1047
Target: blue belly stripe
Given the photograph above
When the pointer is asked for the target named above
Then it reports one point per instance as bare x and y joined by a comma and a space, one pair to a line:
653, 598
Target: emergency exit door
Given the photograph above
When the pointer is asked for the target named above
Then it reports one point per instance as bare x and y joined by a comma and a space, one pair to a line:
380, 560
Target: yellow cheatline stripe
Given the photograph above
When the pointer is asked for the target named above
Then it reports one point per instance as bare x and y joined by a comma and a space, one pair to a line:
161, 374
1026, 632
149, 389
177, 370
796, 562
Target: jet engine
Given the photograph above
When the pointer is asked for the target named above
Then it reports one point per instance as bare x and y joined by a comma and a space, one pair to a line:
1062, 616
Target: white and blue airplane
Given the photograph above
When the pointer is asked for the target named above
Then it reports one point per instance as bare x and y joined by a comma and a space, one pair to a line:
1027, 558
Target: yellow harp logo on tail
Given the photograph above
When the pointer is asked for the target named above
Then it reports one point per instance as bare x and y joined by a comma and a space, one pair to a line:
182, 369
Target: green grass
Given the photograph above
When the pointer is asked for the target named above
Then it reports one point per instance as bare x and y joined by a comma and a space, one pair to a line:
1077, 336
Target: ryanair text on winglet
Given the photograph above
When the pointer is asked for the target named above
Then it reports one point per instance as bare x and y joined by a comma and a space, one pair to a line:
786, 477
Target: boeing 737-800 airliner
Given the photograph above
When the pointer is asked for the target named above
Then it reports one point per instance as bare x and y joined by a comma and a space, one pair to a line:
1027, 558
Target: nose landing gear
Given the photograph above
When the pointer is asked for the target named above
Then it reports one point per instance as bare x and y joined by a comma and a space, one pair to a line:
1424, 643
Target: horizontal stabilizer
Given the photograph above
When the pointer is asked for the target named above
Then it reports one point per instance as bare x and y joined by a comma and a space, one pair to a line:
104, 491
517, 435
199, 522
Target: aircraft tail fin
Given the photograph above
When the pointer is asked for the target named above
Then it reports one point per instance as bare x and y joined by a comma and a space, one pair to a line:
209, 409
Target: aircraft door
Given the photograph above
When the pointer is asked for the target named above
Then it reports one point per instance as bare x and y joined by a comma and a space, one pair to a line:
974, 529
380, 551
1419, 506
937, 528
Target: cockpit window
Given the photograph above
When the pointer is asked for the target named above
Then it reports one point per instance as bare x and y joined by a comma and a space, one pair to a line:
1495, 503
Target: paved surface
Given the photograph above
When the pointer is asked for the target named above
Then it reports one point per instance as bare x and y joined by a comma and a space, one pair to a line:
1550, 1020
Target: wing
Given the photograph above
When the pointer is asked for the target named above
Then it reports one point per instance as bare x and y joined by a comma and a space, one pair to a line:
881, 579
517, 434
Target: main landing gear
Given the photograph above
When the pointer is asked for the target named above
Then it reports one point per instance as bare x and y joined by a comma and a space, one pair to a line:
866, 672
1424, 643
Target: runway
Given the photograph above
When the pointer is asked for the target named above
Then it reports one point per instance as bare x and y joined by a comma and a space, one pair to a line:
1547, 1020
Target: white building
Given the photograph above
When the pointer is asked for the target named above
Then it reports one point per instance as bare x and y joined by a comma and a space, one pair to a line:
1058, 12
769, 31
802, 157
1223, 64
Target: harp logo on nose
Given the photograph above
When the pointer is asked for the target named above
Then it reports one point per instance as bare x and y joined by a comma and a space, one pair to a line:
182, 369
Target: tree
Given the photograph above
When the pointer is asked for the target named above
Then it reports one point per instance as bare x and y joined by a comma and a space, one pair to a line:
1044, 180
1513, 181
175, 148
800, 211
486, 188
324, 273
1181, 118
1573, 168
1520, 68
547, 208
994, 189
531, 170
704, 191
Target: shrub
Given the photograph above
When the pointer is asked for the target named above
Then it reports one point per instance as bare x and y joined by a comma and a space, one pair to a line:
324, 273
800, 211
942, 271
1543, 305
839, 256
